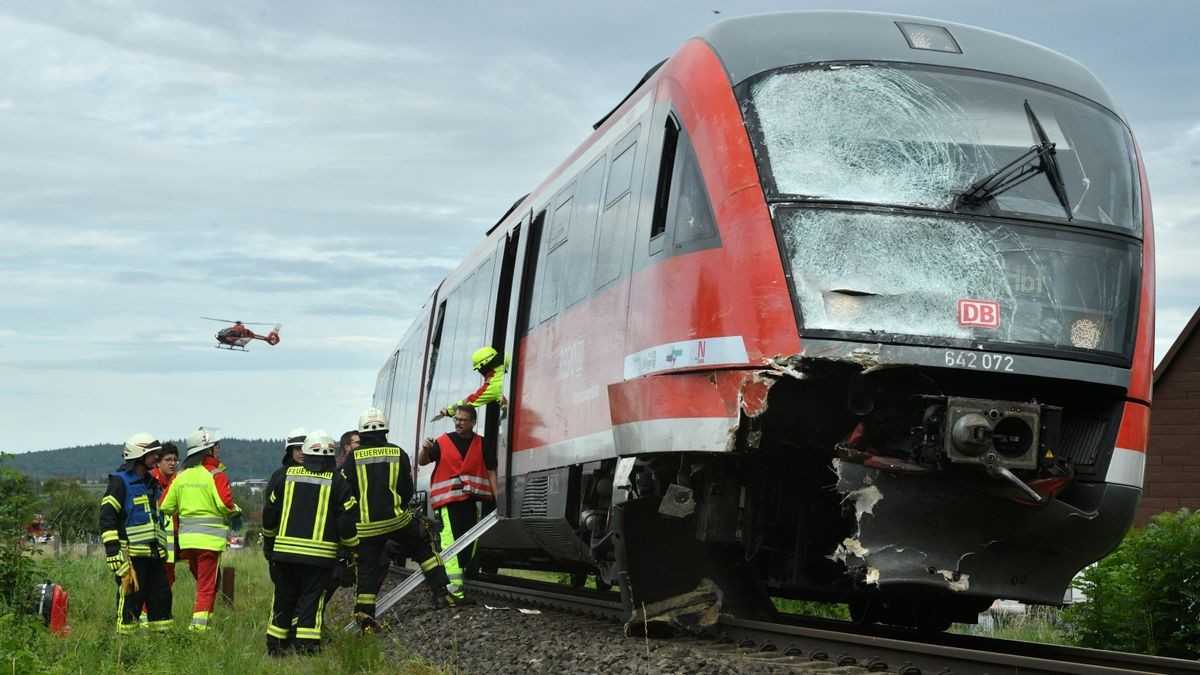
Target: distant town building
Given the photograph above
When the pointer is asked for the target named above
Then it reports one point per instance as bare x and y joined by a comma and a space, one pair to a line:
255, 485
1172, 479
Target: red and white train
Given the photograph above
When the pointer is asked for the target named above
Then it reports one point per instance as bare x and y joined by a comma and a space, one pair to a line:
833, 305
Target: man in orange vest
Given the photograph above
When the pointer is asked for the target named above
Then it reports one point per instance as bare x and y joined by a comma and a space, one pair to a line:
463, 486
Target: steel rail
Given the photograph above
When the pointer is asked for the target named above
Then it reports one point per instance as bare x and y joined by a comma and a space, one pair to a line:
963, 655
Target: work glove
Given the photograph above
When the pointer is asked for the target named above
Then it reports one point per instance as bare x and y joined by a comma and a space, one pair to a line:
237, 524
118, 565
129, 580
268, 548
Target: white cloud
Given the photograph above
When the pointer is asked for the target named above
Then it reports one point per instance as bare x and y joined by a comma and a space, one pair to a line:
323, 166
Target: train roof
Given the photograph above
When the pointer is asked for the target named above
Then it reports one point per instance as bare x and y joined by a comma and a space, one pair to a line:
754, 44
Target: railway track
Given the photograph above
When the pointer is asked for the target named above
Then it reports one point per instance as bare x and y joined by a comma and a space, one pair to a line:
798, 644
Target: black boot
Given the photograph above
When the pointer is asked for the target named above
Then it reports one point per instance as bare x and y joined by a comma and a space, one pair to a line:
438, 580
277, 648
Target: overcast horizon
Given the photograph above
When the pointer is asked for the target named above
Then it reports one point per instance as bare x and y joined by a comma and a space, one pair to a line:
323, 165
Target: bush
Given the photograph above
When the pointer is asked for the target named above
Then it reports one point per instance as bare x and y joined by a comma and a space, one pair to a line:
1145, 597
19, 571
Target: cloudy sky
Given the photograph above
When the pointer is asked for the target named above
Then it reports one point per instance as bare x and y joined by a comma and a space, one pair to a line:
323, 164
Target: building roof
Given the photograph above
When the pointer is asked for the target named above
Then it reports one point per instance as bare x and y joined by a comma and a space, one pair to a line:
1180, 341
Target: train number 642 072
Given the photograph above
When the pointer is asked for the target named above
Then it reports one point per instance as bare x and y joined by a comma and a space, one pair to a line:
979, 360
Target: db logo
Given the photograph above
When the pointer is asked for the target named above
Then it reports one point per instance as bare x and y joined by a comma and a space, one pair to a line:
981, 313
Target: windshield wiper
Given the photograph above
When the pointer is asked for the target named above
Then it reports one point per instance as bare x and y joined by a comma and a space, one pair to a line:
1020, 170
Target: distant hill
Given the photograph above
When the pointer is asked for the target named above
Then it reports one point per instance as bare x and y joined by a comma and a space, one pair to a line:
255, 458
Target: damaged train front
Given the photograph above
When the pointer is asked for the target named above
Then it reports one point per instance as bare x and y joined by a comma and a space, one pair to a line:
967, 257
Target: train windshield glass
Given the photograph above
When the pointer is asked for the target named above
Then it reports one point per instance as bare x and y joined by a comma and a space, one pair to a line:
922, 138
951, 279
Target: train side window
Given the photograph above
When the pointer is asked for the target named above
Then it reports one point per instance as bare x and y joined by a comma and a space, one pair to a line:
666, 170
556, 267
482, 305
693, 217
614, 220
580, 250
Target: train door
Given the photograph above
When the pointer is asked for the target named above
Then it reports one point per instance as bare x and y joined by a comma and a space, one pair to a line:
495, 427
518, 274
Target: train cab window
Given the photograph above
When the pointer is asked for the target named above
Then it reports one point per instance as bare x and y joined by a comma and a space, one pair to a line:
614, 220
666, 169
693, 216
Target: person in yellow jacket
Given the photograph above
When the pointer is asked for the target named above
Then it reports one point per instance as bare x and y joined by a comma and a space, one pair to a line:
201, 497
491, 365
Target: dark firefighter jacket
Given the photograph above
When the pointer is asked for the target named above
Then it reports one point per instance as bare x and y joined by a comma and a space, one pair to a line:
129, 516
381, 477
306, 515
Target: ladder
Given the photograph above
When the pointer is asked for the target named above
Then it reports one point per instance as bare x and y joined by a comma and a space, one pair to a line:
385, 601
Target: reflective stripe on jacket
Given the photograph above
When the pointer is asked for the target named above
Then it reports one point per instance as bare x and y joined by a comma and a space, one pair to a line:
139, 521
306, 515
457, 478
491, 391
203, 516
379, 476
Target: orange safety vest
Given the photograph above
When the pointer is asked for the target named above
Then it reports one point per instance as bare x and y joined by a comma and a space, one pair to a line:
457, 478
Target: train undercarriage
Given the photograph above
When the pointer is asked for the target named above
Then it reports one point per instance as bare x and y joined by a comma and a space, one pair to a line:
916, 495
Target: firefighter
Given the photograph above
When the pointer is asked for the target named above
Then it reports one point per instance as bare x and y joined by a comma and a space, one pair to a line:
308, 509
135, 540
462, 488
201, 497
491, 365
381, 478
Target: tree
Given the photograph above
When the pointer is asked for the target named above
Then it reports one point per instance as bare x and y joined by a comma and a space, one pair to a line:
19, 571
71, 512
1145, 597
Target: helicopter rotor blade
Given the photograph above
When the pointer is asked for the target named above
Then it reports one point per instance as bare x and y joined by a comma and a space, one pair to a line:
244, 323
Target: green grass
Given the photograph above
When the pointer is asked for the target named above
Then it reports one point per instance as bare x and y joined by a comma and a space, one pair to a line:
822, 610
237, 643
1035, 624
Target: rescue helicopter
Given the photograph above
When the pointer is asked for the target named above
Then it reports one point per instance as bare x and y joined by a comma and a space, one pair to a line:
238, 335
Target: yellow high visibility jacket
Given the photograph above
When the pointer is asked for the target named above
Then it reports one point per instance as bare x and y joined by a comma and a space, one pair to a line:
200, 496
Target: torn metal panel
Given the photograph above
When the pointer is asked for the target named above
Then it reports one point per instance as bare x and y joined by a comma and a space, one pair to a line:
944, 531
689, 612
752, 396
677, 502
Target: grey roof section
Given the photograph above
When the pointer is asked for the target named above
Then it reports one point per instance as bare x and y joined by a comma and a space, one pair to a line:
750, 45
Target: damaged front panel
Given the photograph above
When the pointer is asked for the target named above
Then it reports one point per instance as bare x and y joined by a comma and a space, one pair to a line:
923, 532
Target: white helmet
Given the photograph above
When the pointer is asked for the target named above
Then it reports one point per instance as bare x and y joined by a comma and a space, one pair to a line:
200, 440
295, 438
141, 444
318, 443
372, 419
